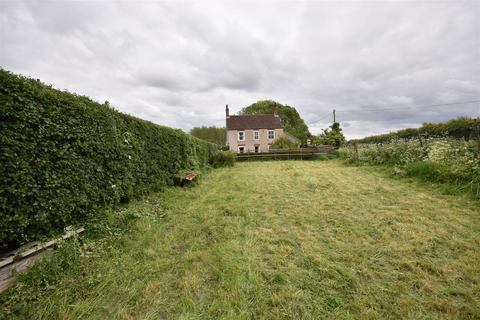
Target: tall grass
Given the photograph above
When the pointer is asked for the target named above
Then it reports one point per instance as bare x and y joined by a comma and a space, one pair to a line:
267, 240
443, 160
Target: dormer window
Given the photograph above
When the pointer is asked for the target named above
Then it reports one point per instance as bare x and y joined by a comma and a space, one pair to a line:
241, 135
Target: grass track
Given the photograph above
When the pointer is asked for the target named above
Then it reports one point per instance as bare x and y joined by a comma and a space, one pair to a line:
286, 240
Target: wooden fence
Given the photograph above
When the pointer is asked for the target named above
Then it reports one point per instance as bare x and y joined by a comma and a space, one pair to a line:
287, 154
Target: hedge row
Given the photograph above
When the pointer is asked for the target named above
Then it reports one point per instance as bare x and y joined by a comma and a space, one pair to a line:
459, 128
64, 157
450, 161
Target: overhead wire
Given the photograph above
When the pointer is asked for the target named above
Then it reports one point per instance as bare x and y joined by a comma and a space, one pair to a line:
411, 107
350, 111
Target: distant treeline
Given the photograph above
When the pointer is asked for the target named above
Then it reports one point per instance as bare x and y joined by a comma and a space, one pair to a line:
211, 134
459, 128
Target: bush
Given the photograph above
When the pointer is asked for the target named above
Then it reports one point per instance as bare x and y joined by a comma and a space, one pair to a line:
435, 159
222, 158
332, 136
65, 157
282, 143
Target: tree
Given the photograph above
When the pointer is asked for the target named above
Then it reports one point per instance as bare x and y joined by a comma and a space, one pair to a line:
212, 134
291, 119
333, 135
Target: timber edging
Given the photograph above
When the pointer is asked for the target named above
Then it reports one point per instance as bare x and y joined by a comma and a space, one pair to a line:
21, 260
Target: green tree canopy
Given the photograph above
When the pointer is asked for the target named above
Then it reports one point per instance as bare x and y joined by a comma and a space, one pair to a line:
292, 121
333, 135
211, 134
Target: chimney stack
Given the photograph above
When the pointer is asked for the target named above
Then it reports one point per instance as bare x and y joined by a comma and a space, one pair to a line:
227, 114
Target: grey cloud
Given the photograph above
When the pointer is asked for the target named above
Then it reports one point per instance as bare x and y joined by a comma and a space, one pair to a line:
178, 64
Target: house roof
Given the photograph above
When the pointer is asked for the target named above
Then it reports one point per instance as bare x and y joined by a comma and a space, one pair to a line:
260, 121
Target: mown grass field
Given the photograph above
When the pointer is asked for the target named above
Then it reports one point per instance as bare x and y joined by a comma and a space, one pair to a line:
281, 240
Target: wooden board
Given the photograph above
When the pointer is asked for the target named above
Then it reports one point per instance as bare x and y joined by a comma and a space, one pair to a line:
190, 176
21, 260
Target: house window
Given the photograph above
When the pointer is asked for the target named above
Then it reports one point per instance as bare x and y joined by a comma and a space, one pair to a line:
271, 134
241, 149
256, 148
241, 135
256, 135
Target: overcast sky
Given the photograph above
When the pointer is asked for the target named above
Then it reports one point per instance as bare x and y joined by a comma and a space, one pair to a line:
178, 64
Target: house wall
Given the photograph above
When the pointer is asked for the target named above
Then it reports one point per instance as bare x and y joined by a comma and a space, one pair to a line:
249, 143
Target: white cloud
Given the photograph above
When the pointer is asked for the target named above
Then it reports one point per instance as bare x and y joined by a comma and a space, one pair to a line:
178, 64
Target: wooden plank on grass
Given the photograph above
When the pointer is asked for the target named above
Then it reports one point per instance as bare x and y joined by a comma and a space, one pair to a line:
190, 176
21, 260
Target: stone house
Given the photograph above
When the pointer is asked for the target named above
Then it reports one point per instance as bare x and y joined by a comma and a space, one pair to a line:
254, 133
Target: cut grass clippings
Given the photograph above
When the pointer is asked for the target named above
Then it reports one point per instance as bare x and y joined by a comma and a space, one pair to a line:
272, 240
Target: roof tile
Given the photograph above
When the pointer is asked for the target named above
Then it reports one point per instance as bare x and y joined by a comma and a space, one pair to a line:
261, 121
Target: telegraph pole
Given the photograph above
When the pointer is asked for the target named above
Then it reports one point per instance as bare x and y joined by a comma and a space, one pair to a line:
334, 116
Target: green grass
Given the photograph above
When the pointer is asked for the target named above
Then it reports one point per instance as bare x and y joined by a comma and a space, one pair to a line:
272, 240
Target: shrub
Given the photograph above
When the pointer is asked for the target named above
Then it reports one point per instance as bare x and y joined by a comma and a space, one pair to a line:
282, 143
65, 157
332, 136
222, 158
435, 159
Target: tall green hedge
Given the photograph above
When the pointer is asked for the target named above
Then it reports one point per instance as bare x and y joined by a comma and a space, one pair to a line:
64, 157
459, 128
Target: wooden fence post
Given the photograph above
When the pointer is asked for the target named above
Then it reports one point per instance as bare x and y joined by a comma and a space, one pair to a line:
478, 136
421, 141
